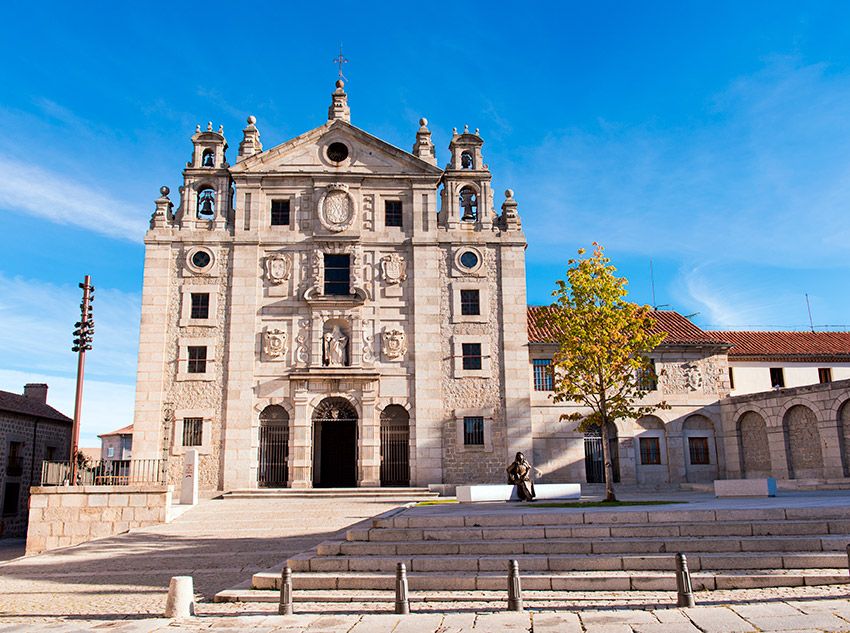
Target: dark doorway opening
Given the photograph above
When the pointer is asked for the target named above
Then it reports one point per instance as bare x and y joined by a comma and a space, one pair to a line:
395, 446
594, 463
335, 444
273, 467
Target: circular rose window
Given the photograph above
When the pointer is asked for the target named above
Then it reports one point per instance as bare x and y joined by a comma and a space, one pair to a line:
337, 152
469, 259
201, 259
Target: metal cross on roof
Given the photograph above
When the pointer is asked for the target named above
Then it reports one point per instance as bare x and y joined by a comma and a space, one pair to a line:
339, 61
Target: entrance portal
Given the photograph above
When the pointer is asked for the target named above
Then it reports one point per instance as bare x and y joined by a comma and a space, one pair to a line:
594, 464
395, 446
273, 467
335, 444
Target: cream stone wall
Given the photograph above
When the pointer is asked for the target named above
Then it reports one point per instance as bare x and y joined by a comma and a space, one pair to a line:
754, 377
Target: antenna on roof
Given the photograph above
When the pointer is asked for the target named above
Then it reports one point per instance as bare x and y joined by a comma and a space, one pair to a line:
809, 307
652, 281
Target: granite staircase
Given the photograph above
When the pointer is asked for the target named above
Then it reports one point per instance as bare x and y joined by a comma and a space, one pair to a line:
571, 550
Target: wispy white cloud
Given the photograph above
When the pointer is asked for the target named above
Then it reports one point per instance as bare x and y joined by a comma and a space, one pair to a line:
40, 192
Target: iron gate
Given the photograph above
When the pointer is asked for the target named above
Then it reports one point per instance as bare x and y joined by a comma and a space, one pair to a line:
274, 456
594, 462
395, 447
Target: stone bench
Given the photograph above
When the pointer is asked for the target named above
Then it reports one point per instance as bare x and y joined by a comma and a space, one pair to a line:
507, 492
765, 487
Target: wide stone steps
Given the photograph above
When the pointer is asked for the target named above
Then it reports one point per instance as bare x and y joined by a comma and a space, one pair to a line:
403, 494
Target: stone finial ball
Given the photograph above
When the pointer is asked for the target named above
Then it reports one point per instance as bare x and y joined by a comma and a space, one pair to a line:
252, 119
509, 193
164, 190
423, 121
340, 83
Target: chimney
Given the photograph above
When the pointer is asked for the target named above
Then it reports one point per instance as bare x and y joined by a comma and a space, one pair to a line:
36, 391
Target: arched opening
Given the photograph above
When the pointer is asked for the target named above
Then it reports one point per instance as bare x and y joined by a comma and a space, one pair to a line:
700, 449
335, 444
273, 460
395, 446
466, 161
208, 158
594, 462
844, 436
651, 451
468, 204
206, 204
802, 443
754, 448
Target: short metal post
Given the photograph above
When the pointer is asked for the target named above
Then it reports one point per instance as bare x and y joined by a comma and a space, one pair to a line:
402, 600
684, 592
514, 588
285, 607
848, 556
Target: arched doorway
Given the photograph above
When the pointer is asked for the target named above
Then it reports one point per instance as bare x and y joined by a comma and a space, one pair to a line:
802, 443
335, 444
754, 447
594, 464
844, 436
699, 449
395, 446
273, 462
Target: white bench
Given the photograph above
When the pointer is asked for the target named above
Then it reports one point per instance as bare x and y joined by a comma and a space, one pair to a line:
507, 492
745, 487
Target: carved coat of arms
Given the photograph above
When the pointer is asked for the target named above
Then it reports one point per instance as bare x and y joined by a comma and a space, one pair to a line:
274, 343
336, 210
394, 344
278, 268
393, 268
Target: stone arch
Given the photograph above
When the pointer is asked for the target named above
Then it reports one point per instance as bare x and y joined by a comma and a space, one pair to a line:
802, 443
753, 444
700, 448
843, 418
335, 421
651, 451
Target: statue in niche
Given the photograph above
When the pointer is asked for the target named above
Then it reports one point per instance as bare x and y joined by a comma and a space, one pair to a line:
393, 268
274, 343
335, 348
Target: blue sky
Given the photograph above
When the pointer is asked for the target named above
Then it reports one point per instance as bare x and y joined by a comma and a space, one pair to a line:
710, 137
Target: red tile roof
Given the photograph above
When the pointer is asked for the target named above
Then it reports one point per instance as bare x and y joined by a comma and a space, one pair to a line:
124, 430
680, 331
790, 346
17, 403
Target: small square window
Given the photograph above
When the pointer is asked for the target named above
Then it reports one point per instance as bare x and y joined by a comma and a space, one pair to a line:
470, 302
542, 374
200, 305
280, 213
647, 378
650, 451
197, 359
473, 431
11, 498
337, 274
193, 429
110, 451
777, 377
15, 460
698, 448
392, 213
824, 375
731, 379
471, 355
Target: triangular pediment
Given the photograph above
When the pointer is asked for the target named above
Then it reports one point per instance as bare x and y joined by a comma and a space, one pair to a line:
307, 153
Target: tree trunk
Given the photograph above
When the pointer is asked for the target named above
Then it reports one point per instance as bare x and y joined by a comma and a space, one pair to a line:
606, 458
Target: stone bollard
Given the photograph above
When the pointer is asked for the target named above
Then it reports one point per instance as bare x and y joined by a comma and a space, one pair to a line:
684, 592
402, 600
285, 607
514, 588
181, 598
848, 556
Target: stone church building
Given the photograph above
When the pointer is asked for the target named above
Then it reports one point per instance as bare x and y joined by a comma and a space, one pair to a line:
336, 311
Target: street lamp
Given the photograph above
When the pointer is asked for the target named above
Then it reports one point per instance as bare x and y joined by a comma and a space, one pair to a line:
83, 336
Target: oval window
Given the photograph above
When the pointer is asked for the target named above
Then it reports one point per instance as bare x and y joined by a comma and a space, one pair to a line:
469, 259
201, 259
337, 152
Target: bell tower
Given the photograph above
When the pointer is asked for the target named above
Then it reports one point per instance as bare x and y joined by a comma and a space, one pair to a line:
467, 199
206, 192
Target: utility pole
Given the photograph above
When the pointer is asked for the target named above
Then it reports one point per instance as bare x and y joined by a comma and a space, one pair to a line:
83, 335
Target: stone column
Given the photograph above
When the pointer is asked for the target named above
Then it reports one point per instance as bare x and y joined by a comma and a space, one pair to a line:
300, 438
369, 440
676, 458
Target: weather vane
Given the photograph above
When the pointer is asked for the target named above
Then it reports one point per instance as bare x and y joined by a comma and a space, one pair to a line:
339, 61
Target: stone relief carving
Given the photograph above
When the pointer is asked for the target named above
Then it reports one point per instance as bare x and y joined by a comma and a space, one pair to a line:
393, 268
274, 344
394, 344
368, 344
690, 376
278, 268
335, 348
318, 271
302, 355
336, 210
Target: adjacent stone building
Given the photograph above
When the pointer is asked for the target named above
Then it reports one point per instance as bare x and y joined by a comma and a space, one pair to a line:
336, 311
117, 445
31, 432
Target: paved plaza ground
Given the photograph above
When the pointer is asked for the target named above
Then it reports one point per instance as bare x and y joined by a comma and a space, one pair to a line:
118, 584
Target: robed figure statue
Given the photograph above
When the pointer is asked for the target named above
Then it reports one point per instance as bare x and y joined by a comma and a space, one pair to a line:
519, 474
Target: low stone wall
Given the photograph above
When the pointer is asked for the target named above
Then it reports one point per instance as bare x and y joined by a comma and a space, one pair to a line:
60, 516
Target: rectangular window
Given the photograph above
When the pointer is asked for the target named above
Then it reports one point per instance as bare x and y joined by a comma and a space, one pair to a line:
49, 453
470, 302
471, 355
731, 379
542, 374
777, 377
647, 379
110, 451
197, 359
337, 274
698, 448
15, 460
650, 451
473, 431
392, 213
11, 498
280, 212
200, 305
824, 375
193, 429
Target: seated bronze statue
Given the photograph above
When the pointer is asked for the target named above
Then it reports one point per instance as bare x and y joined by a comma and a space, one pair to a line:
519, 474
